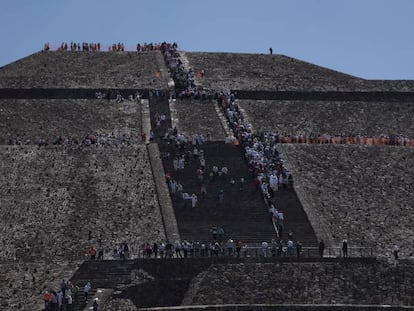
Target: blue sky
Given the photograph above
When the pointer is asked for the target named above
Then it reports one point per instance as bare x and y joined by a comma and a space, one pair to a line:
367, 38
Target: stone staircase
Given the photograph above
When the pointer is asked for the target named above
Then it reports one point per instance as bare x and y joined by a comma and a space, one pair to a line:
296, 220
79, 302
148, 282
243, 214
165, 282
103, 274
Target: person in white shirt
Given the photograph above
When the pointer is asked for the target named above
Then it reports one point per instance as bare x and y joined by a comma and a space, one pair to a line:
203, 164
265, 246
175, 164
181, 163
186, 198
193, 200
289, 245
86, 290
273, 212
280, 218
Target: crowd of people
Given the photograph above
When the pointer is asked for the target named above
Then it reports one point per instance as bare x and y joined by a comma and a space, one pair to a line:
173, 137
382, 140
73, 46
185, 78
96, 47
153, 46
264, 162
64, 297
189, 148
182, 142
177, 190
216, 247
117, 96
60, 298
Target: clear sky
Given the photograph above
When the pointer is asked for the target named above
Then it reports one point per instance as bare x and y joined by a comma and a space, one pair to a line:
371, 39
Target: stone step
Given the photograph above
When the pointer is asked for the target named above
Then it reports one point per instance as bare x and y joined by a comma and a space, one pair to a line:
79, 302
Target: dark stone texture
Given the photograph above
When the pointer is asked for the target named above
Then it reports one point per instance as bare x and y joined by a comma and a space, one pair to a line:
72, 70
220, 281
360, 193
199, 116
34, 119
330, 117
51, 197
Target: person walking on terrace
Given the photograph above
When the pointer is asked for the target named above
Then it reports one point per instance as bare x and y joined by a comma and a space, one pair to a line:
345, 248
321, 248
395, 251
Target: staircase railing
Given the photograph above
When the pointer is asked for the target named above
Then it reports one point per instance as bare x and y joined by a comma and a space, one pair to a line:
249, 252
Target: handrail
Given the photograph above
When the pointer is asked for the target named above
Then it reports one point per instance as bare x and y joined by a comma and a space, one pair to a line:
248, 252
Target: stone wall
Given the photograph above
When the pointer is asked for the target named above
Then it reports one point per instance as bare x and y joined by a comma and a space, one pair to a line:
266, 72
330, 117
165, 204
259, 72
311, 96
198, 116
119, 304
303, 283
21, 283
52, 197
360, 193
106, 70
282, 307
32, 119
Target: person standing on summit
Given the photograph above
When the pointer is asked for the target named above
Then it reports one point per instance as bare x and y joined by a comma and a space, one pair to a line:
321, 248
345, 248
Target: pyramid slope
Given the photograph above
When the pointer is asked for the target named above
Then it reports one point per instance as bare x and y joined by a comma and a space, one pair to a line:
54, 195
359, 193
64, 69
34, 119
297, 117
266, 72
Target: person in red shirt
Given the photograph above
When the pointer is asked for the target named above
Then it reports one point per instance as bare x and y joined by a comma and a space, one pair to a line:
92, 253
47, 297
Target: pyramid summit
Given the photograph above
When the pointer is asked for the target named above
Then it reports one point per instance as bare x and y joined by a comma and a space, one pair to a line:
167, 178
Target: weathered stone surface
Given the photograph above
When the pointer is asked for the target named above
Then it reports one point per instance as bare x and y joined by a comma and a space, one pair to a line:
279, 73
32, 119
330, 117
106, 70
167, 211
196, 116
21, 283
360, 193
301, 283
52, 197
119, 304
265, 72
